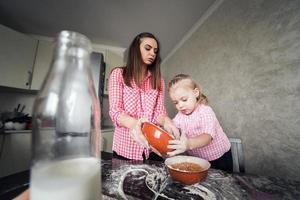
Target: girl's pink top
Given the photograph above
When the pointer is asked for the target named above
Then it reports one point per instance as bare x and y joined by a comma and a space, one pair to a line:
135, 102
203, 120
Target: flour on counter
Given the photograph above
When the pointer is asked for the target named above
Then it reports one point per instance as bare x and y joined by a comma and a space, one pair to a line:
201, 191
104, 197
137, 173
151, 182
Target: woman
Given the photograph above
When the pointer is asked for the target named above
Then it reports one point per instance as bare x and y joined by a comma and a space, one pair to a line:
136, 93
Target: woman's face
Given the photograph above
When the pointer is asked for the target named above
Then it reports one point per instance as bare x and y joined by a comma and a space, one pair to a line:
149, 49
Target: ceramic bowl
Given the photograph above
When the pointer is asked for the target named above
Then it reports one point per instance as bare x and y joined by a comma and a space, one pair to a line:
20, 125
157, 137
187, 169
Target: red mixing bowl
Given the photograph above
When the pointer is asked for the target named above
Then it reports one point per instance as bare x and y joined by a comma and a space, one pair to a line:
157, 137
187, 169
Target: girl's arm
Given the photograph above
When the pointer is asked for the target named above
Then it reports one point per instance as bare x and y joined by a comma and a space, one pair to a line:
185, 143
198, 141
168, 125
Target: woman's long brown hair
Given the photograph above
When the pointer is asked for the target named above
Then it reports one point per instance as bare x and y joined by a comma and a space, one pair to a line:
133, 69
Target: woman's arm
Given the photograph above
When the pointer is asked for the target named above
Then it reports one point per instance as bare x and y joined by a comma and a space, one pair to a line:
115, 96
23, 196
116, 108
127, 121
160, 113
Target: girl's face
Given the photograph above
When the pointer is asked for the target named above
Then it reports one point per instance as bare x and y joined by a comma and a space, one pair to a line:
184, 97
149, 50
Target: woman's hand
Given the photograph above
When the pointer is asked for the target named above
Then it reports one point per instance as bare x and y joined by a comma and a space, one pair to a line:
137, 135
23, 196
179, 146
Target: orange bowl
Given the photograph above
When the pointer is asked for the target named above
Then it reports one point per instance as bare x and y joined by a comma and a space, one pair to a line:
157, 137
187, 169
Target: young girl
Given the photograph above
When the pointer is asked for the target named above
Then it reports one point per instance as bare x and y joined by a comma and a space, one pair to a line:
201, 133
136, 91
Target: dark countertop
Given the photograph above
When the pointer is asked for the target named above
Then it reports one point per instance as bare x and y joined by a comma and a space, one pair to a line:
137, 180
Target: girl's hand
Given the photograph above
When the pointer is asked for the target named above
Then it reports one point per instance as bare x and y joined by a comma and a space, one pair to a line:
137, 135
171, 128
179, 146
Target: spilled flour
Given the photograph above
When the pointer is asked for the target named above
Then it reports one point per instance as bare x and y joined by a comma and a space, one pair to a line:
151, 182
132, 178
135, 180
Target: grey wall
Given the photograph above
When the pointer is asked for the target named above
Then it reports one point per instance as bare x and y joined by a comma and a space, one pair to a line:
246, 56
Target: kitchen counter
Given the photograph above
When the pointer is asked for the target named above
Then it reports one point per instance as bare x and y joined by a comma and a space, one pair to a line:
123, 179
3, 132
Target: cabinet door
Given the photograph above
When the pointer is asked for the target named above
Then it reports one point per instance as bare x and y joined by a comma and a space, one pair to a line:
16, 153
112, 60
17, 52
42, 63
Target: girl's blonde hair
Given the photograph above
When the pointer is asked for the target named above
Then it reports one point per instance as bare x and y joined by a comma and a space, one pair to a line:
202, 99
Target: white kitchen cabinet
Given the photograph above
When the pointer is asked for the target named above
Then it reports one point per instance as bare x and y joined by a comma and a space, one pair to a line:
112, 60
42, 63
107, 139
16, 153
17, 53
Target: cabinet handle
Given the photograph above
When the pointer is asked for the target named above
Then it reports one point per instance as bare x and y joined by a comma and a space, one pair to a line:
29, 78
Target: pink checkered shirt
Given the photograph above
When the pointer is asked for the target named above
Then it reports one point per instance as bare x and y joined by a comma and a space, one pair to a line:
135, 102
204, 120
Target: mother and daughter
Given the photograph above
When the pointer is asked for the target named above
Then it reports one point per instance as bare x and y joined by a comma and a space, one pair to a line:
136, 94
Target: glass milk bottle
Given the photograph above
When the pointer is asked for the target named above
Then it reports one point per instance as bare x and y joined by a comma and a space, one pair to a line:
66, 126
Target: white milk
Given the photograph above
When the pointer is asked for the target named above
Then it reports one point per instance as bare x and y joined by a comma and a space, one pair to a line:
74, 179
